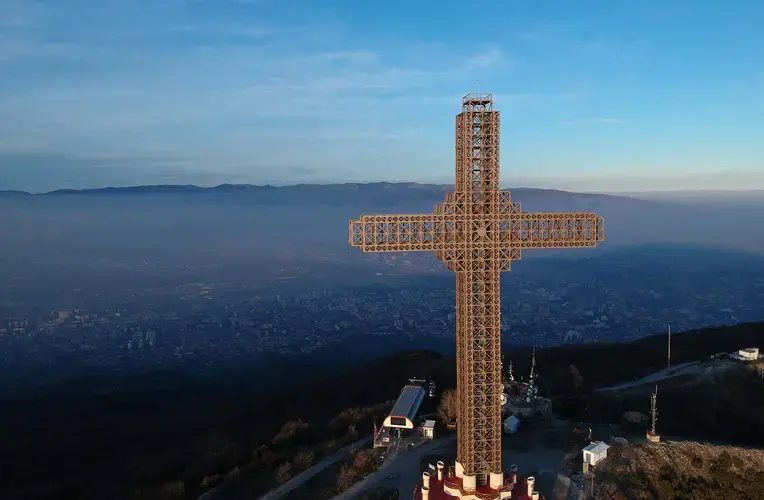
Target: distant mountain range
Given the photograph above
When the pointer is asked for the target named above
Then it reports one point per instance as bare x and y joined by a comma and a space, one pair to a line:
713, 194
254, 188
191, 188
376, 193
302, 208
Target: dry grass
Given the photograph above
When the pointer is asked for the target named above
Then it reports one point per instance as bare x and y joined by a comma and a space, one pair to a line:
681, 470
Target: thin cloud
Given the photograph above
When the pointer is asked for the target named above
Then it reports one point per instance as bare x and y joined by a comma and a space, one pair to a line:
353, 56
485, 59
20, 50
585, 121
252, 32
214, 91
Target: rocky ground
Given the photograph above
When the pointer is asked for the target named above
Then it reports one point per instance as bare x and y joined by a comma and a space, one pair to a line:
680, 469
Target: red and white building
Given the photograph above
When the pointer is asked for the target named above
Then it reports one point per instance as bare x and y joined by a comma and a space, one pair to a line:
447, 484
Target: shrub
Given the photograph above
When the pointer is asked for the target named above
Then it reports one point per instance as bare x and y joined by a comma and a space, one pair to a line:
284, 473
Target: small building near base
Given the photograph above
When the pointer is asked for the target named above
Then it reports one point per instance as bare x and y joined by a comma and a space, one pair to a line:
594, 453
537, 409
428, 429
511, 424
747, 354
383, 439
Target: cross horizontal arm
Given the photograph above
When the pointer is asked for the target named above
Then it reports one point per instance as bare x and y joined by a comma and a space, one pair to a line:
554, 230
398, 233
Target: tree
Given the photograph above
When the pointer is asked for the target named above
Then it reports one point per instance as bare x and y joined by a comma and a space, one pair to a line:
304, 460
362, 460
578, 380
208, 482
264, 458
290, 432
173, 489
353, 431
284, 473
346, 478
447, 406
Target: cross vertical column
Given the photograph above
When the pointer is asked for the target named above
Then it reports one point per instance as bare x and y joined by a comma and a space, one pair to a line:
478, 332
478, 349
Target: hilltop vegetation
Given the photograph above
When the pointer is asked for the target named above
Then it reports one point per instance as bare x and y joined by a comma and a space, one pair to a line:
177, 442
680, 470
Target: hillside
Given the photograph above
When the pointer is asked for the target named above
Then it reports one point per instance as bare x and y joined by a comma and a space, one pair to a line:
680, 470
194, 429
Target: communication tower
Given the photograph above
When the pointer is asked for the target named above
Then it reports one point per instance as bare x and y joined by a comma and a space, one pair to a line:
652, 435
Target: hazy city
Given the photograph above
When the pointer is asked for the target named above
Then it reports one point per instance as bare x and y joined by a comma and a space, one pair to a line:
548, 302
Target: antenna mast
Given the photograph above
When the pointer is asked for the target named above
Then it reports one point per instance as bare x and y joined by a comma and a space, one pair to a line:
652, 436
669, 347
654, 409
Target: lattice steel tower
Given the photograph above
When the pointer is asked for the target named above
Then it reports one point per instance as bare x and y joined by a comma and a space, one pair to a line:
478, 231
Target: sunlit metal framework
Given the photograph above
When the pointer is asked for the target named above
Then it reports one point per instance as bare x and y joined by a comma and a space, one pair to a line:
478, 231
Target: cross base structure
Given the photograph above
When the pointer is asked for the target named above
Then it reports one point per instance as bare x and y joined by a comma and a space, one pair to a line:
449, 484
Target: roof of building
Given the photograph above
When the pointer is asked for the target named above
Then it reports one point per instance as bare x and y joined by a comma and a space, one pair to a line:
409, 401
597, 447
429, 423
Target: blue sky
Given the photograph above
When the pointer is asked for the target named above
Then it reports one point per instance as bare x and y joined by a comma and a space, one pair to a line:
595, 95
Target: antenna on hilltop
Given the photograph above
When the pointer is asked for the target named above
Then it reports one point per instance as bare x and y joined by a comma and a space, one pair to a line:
654, 408
669, 346
651, 434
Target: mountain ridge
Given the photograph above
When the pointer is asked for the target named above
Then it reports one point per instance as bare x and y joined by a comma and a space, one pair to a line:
238, 188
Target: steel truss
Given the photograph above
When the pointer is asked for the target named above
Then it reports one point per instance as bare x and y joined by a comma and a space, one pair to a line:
477, 231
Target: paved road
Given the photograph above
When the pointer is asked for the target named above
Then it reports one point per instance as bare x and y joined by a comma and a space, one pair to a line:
674, 371
703, 370
404, 465
301, 478
304, 476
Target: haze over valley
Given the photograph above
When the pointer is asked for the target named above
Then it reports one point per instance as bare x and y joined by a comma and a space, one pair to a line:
128, 278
